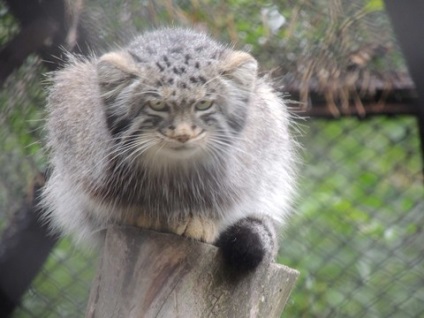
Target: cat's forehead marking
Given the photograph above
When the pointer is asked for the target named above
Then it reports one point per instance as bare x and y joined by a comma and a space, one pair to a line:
171, 94
179, 82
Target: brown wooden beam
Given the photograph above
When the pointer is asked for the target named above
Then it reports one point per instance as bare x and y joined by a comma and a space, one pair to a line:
321, 110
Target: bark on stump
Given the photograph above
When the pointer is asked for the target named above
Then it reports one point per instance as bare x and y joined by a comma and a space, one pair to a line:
149, 274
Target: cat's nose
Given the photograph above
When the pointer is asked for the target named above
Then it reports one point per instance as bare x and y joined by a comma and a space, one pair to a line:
182, 132
182, 138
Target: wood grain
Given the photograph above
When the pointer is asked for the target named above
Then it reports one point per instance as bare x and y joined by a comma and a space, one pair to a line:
149, 274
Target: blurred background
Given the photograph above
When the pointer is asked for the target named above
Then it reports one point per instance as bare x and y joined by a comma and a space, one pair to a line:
357, 236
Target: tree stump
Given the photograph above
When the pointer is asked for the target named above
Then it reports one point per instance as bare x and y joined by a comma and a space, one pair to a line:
149, 274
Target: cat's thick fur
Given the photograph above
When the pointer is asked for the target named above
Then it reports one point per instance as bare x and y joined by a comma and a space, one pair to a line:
174, 132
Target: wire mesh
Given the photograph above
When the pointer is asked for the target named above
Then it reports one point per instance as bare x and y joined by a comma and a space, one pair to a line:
62, 287
357, 239
358, 232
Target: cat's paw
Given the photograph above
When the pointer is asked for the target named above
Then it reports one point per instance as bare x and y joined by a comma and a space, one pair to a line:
146, 222
201, 229
245, 244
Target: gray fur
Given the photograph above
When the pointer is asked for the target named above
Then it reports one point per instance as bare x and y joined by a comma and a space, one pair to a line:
99, 113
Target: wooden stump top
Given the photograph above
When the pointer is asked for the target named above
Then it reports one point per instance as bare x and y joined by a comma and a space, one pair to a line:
149, 274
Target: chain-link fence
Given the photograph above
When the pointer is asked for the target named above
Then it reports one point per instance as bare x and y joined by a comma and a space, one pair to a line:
357, 237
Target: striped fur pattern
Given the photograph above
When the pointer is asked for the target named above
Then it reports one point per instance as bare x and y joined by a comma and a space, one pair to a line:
175, 132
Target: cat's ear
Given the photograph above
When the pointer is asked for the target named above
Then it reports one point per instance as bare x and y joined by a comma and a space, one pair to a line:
114, 71
240, 67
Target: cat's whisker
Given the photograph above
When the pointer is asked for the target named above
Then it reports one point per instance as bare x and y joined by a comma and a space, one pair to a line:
140, 149
123, 151
226, 145
120, 151
157, 151
214, 153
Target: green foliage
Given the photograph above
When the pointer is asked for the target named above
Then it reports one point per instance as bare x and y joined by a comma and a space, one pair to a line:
358, 233
358, 208
374, 5
8, 25
62, 285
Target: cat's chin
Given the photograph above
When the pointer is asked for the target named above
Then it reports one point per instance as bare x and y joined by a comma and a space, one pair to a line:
181, 152
175, 155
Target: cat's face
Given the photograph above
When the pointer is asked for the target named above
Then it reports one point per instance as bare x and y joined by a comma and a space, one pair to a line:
174, 117
167, 124
171, 129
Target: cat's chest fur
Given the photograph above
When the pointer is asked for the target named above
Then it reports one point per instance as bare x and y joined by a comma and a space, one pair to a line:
206, 189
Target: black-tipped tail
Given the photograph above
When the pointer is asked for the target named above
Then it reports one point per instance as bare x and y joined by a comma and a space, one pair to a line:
246, 243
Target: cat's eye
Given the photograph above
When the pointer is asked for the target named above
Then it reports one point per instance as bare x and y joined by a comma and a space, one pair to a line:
157, 105
204, 104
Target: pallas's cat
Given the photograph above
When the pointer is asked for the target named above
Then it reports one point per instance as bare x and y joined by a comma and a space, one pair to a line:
174, 132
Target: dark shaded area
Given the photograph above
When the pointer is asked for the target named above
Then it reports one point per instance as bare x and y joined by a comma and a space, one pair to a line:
24, 246
407, 23
46, 29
